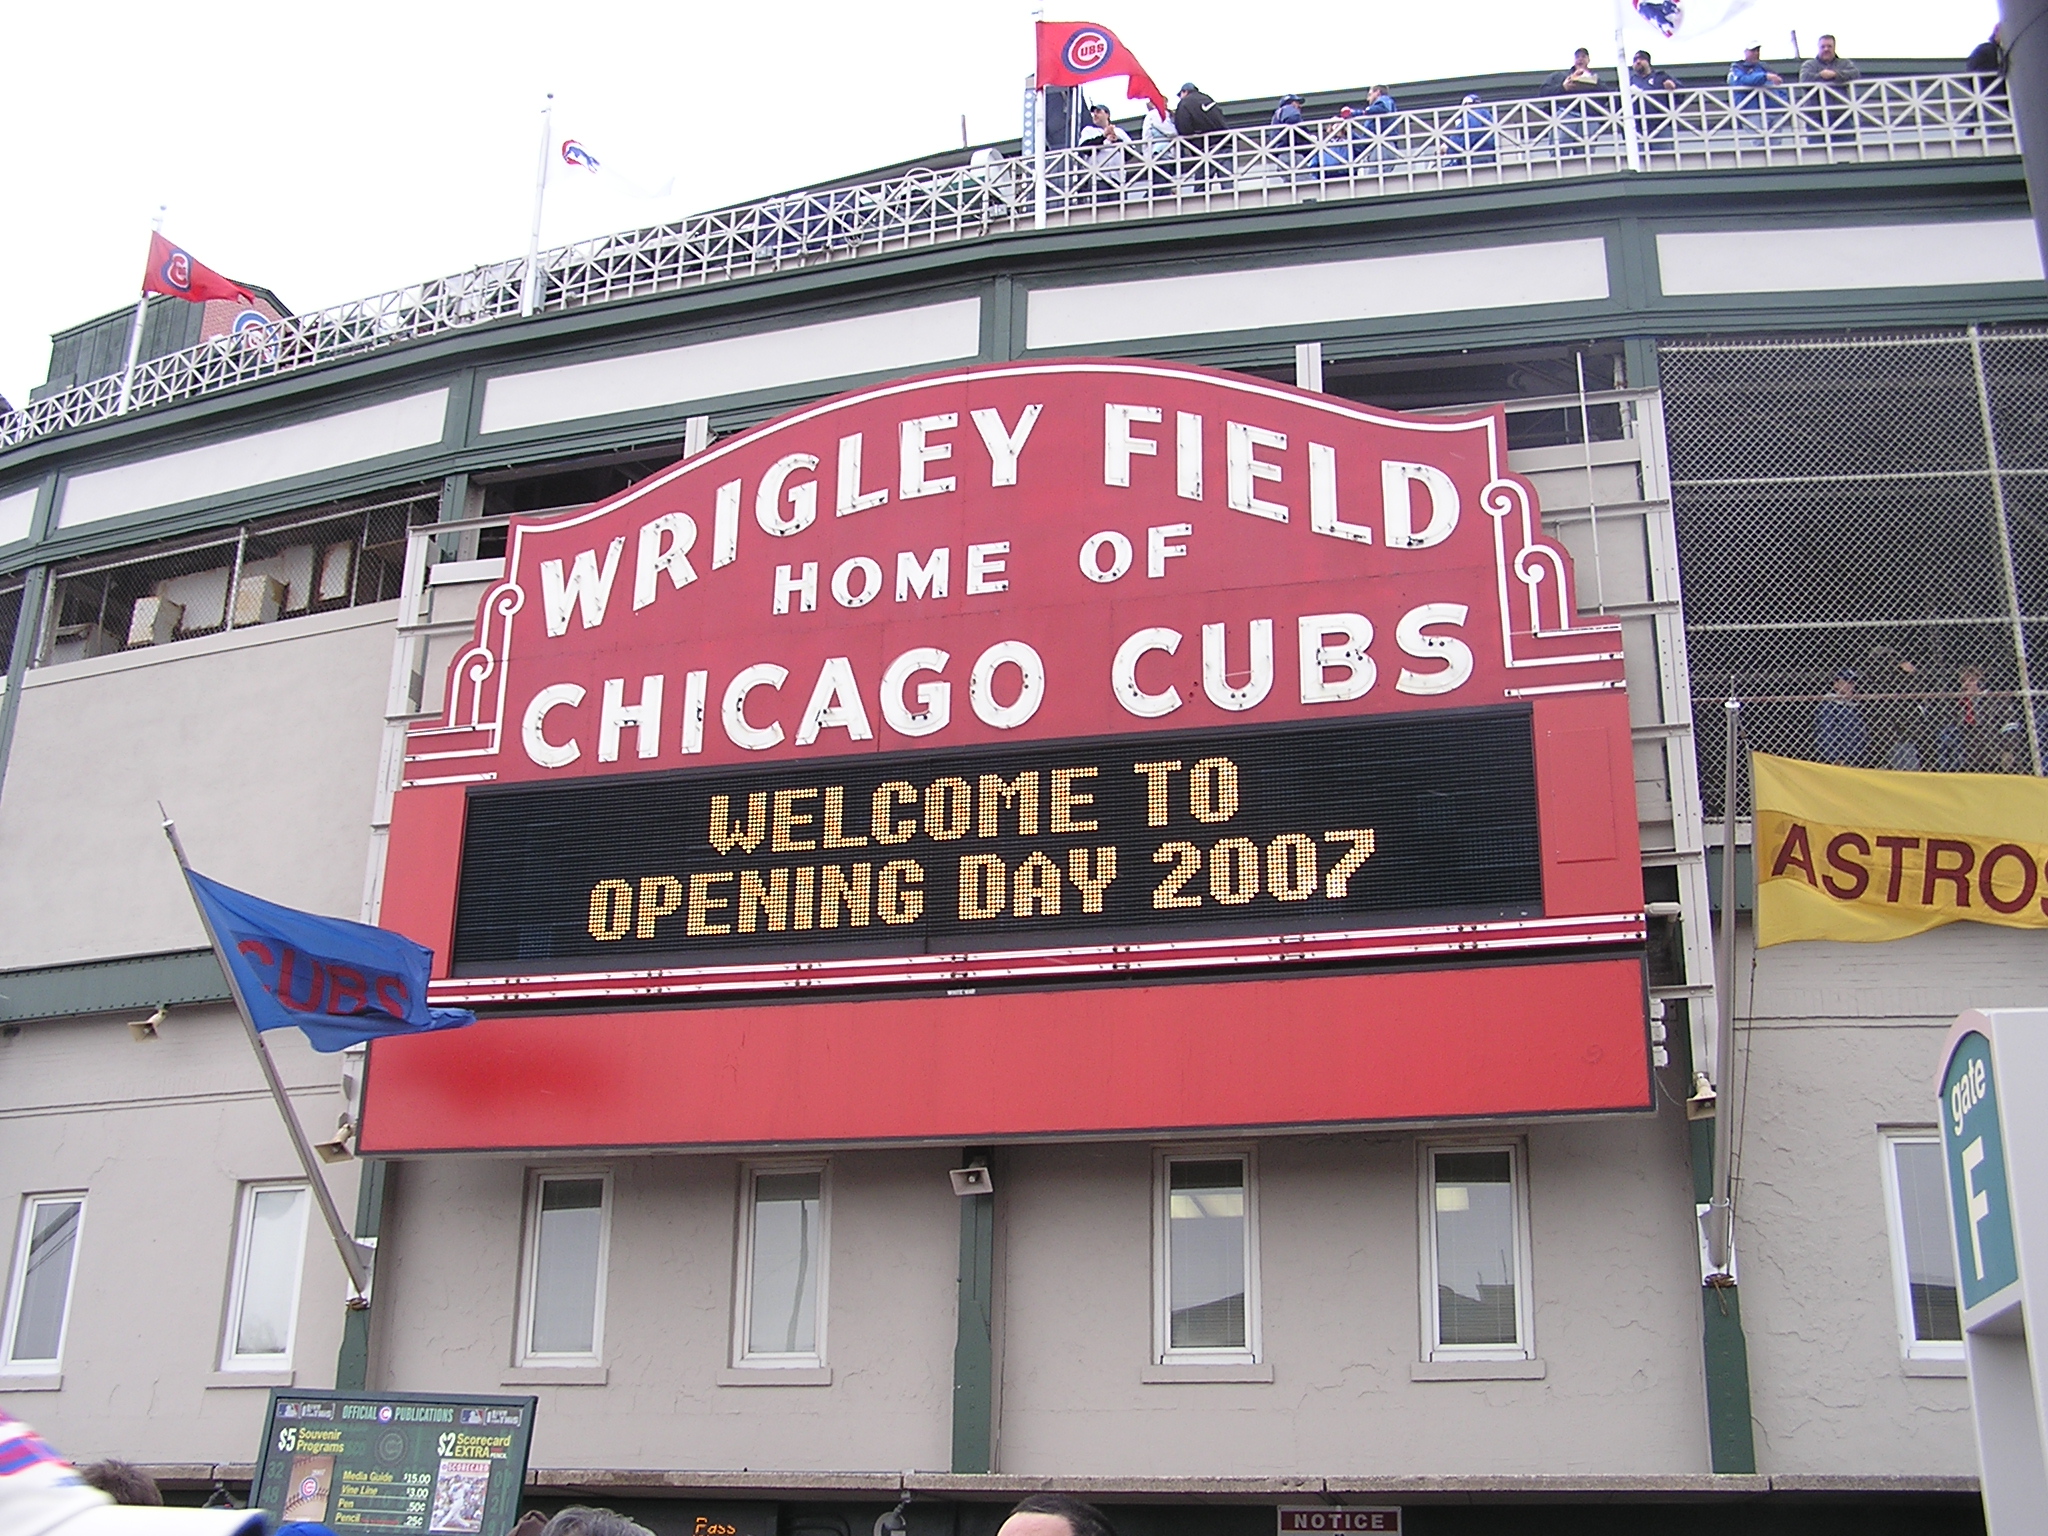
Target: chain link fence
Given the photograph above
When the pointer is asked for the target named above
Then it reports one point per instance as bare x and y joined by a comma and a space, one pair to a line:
316, 561
11, 593
1863, 539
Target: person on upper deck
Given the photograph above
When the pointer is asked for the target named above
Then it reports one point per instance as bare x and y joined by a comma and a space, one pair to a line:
1645, 76
1580, 77
1828, 67
1750, 71
1288, 112
1988, 57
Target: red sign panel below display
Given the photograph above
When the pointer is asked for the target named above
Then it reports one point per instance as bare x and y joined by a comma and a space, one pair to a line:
1501, 1042
1033, 675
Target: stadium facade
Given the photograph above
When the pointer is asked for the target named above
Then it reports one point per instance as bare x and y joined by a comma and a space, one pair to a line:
1284, 1213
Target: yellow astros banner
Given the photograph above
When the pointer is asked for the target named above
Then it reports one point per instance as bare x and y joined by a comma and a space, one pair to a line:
1863, 855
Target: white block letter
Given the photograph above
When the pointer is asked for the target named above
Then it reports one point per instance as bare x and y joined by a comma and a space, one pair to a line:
1317, 658
870, 574
1414, 641
926, 580
1216, 674
695, 685
985, 568
533, 729
1243, 468
1158, 551
851, 497
803, 499
1187, 455
934, 700
804, 588
763, 674
585, 588
1003, 445
916, 453
725, 526
1322, 498
1123, 674
1397, 486
1117, 443
616, 714
1119, 549
835, 701
680, 530
981, 684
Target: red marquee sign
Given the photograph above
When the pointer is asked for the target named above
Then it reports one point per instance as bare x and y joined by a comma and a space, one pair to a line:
1031, 676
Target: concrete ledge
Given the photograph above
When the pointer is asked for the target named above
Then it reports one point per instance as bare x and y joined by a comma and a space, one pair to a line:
1476, 1370
775, 1376
555, 1376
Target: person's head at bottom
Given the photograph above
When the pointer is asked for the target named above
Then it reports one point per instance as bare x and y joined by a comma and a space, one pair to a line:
41, 1494
1054, 1514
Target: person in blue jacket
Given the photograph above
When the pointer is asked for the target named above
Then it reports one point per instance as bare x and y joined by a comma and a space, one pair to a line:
1751, 79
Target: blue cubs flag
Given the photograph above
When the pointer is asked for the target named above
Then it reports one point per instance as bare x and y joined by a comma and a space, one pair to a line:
341, 982
1075, 52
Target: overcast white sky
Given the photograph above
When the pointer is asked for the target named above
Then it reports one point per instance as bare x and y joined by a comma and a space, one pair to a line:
330, 151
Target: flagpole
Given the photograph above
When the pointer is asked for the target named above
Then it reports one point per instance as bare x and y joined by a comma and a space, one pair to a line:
135, 331
355, 1257
1720, 1219
1631, 134
529, 292
1038, 121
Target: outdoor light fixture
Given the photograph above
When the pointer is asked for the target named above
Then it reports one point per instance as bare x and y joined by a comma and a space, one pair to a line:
1701, 1105
145, 1029
339, 1147
974, 1179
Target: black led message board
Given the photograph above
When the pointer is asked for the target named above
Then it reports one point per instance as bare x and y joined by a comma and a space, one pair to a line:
394, 1461
1288, 829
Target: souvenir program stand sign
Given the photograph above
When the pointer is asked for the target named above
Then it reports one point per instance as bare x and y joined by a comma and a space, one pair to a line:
1993, 1087
395, 1462
800, 792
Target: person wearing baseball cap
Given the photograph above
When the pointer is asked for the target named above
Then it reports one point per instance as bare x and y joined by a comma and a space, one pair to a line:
41, 1494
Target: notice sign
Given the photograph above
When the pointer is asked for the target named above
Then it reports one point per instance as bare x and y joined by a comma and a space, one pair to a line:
395, 1461
1322, 1518
1314, 829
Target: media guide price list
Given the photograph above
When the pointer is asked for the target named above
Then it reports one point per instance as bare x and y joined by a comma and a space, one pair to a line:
388, 1501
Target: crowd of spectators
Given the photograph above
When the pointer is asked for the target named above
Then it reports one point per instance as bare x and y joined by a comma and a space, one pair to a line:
1909, 722
1180, 148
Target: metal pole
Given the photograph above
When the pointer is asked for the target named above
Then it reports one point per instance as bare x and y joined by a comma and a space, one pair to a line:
1720, 1214
529, 291
354, 1257
1038, 159
1630, 131
135, 332
2012, 588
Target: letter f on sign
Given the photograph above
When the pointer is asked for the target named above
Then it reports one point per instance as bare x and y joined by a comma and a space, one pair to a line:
1979, 1201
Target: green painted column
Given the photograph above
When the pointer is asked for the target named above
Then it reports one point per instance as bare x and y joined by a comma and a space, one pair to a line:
1731, 1436
352, 1367
974, 1361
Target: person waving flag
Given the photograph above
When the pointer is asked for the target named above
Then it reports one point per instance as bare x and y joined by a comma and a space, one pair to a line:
1075, 52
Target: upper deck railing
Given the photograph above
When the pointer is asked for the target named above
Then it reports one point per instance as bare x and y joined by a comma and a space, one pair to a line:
1900, 118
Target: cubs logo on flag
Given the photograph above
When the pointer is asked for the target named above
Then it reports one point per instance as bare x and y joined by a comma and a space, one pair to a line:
1075, 52
1664, 15
574, 153
173, 271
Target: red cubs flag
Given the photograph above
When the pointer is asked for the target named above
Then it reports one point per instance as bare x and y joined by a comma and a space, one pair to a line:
1075, 52
172, 271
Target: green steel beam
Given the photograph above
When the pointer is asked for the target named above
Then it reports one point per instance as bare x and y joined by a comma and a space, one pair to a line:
974, 1396
111, 986
352, 1366
1731, 1432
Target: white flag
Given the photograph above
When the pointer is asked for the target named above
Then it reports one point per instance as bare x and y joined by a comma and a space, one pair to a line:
578, 156
1688, 18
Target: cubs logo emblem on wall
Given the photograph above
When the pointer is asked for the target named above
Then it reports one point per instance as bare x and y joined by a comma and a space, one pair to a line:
178, 271
1088, 50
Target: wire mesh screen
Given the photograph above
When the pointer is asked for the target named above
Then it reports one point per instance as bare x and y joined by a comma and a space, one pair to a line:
1863, 538
309, 562
10, 620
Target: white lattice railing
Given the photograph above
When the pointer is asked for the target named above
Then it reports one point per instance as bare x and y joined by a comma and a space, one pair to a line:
1884, 120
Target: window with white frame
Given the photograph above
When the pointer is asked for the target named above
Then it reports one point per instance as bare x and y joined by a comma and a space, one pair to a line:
567, 1243
1205, 1259
781, 1279
39, 1283
1923, 1263
263, 1286
1476, 1256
